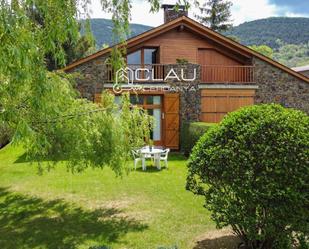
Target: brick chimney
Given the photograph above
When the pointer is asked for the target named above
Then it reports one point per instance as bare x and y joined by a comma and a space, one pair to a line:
170, 13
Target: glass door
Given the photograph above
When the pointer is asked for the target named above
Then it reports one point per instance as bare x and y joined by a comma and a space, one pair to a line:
153, 105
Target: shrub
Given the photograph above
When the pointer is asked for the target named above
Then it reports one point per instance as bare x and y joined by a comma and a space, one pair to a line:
191, 133
182, 61
252, 170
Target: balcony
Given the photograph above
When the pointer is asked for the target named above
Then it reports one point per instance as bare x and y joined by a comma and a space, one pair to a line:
161, 73
227, 74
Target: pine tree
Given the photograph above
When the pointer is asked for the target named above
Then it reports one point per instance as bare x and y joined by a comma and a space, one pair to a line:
216, 15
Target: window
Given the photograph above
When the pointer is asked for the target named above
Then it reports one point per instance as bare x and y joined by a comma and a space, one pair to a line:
143, 56
134, 58
150, 55
151, 103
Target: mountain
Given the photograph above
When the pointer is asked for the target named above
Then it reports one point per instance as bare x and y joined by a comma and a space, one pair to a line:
102, 30
290, 30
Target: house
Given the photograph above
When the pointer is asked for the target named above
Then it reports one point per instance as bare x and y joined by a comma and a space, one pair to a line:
187, 72
303, 70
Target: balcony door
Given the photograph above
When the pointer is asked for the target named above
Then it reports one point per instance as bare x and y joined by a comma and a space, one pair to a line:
153, 105
144, 63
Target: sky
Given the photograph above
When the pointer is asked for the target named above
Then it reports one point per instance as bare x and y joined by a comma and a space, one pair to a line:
242, 10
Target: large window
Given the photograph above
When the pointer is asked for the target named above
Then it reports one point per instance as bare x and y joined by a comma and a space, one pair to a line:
143, 56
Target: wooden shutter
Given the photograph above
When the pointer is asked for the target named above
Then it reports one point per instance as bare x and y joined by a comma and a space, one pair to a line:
171, 120
215, 103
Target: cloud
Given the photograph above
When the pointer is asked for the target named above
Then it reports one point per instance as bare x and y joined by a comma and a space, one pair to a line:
242, 10
139, 13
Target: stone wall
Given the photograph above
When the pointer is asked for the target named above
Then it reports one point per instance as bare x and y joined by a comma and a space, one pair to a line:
91, 76
277, 86
190, 96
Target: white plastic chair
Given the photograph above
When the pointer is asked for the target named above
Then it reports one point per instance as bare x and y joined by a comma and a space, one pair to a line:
164, 156
148, 156
137, 157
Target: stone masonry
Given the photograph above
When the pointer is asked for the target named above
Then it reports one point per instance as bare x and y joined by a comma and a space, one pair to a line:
90, 77
277, 86
190, 100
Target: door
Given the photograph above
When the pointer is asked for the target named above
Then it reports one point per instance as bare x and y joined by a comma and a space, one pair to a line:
153, 105
216, 103
171, 120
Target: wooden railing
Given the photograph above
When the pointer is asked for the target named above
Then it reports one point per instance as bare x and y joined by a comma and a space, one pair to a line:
208, 73
227, 74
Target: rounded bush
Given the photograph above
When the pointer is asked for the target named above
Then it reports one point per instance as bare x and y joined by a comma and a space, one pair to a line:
253, 171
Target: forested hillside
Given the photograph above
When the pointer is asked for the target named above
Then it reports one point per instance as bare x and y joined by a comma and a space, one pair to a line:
267, 31
102, 31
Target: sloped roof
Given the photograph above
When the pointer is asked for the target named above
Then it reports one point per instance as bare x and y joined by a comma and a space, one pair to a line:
200, 29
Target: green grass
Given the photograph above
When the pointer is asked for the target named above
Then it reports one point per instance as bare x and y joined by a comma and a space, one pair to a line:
59, 210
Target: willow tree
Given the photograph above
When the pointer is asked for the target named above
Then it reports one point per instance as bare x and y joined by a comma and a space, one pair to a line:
42, 107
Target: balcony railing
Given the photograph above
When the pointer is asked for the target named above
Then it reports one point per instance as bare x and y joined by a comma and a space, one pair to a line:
159, 72
227, 74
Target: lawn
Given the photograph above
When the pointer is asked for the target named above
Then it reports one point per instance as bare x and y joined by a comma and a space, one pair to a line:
142, 210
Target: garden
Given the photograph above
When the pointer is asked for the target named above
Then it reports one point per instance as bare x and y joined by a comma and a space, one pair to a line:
249, 172
144, 209
67, 178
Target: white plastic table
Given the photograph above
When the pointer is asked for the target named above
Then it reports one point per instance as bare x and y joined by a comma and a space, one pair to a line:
154, 152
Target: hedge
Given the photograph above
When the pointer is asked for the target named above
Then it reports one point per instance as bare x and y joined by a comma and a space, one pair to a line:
191, 133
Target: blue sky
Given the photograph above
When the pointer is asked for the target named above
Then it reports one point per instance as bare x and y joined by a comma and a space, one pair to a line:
242, 10
293, 6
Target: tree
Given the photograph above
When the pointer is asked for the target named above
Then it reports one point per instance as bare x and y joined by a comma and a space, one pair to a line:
252, 170
292, 55
216, 14
264, 50
43, 108
73, 50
